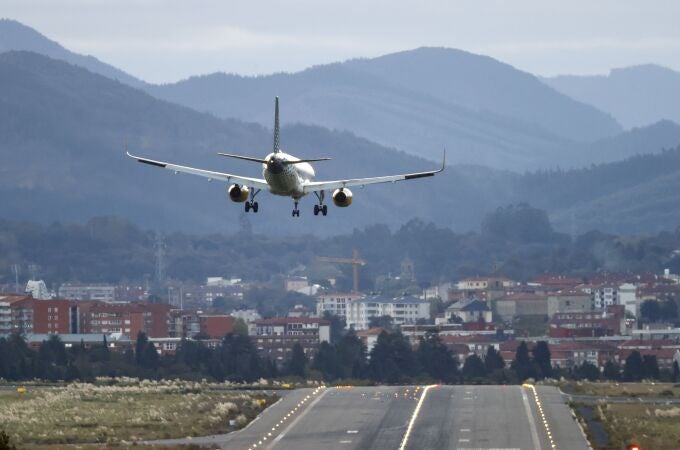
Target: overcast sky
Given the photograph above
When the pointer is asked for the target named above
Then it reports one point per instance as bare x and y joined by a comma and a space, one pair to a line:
166, 40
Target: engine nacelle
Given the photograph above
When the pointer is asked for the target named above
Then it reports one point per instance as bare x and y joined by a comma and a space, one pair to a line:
342, 197
238, 194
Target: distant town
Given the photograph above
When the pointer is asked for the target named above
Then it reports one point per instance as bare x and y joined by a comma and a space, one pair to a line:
597, 322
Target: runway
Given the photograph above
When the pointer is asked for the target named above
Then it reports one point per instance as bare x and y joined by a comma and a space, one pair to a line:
449, 417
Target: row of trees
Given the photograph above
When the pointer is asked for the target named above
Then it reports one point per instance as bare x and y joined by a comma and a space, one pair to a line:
392, 360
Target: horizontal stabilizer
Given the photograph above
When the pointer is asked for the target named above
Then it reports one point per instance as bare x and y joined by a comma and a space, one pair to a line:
306, 161
245, 158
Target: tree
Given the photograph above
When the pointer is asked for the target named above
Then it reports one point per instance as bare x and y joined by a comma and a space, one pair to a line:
326, 361
611, 371
633, 370
392, 359
650, 367
669, 310
473, 369
493, 360
236, 359
337, 327
351, 353
436, 359
676, 372
298, 361
384, 322
588, 371
522, 364
140, 345
650, 311
240, 327
541, 359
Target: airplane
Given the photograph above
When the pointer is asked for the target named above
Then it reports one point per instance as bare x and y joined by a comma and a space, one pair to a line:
286, 175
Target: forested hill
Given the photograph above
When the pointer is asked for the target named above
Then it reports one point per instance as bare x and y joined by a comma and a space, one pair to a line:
419, 101
518, 240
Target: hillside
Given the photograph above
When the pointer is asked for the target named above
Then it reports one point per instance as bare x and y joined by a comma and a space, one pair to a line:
635, 96
63, 130
417, 101
15, 36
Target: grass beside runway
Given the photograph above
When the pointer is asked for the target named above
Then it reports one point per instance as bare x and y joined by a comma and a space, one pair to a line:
123, 414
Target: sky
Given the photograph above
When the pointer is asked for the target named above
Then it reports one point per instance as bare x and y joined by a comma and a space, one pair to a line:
167, 40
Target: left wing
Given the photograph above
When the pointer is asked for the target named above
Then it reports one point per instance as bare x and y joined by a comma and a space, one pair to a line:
210, 175
313, 186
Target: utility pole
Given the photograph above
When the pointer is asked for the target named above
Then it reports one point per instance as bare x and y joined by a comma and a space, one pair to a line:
16, 269
160, 257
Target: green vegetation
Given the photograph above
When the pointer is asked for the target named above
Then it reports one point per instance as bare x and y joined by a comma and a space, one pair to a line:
126, 411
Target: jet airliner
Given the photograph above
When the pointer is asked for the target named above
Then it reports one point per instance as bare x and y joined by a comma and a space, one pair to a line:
286, 175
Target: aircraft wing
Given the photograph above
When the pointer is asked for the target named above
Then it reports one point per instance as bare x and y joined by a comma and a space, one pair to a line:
229, 178
313, 186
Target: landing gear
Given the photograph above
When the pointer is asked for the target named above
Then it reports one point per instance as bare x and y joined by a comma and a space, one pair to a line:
296, 211
320, 208
252, 204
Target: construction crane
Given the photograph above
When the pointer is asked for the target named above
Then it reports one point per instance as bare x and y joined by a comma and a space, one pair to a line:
355, 261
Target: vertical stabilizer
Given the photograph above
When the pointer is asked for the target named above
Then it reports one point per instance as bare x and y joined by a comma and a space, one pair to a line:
277, 141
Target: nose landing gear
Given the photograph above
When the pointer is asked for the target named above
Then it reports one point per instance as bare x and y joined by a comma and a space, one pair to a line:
296, 211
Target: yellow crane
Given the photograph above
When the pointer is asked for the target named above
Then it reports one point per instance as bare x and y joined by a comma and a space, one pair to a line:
355, 261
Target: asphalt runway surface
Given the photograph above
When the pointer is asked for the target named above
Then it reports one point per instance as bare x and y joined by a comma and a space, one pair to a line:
410, 417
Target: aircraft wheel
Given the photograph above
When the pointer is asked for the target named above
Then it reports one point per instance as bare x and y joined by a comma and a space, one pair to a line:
316, 210
255, 207
247, 206
324, 209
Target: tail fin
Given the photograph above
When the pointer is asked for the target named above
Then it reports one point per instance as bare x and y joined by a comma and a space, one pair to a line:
277, 141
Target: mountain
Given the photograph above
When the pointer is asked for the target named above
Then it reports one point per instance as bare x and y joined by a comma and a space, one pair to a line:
63, 129
635, 96
16, 36
485, 112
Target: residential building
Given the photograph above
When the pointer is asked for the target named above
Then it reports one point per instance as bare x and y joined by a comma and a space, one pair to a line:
521, 304
335, 302
296, 284
403, 310
56, 317
472, 310
128, 319
568, 301
216, 326
610, 322
77, 291
276, 337
369, 337
183, 323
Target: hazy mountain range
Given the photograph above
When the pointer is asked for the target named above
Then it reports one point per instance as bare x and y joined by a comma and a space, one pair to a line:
63, 129
635, 96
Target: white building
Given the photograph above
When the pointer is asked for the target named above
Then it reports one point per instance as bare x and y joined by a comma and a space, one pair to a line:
402, 310
335, 303
628, 298
469, 311
102, 292
38, 290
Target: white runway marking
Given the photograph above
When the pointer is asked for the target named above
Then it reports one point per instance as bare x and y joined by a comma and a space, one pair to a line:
530, 416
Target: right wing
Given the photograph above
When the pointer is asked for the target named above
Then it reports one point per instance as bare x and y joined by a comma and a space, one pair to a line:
229, 178
313, 186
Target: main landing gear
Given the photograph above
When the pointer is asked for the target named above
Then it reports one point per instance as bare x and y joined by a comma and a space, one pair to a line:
252, 204
320, 208
296, 211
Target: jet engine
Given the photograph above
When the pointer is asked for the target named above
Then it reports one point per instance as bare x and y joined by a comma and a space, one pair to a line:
238, 194
342, 197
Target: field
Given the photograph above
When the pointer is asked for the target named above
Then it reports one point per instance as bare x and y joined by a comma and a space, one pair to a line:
615, 425
669, 390
126, 412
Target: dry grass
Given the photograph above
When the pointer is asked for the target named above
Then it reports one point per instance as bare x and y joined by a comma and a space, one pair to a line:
669, 390
126, 412
652, 427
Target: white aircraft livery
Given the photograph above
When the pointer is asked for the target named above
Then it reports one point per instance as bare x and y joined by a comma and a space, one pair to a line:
286, 175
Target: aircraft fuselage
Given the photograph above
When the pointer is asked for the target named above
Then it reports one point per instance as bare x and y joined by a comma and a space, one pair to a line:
286, 179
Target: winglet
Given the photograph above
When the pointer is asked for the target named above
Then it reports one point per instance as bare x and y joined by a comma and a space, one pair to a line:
443, 161
277, 141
